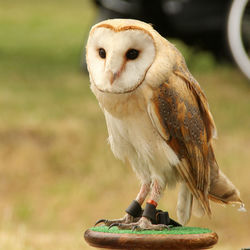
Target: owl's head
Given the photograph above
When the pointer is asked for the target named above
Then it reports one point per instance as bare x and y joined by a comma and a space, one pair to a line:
119, 54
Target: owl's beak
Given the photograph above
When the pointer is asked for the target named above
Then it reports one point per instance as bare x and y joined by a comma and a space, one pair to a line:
112, 76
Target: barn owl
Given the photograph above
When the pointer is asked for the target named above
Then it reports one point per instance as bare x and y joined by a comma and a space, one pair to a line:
157, 118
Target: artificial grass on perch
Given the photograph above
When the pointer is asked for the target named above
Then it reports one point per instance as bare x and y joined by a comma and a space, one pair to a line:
158, 118
176, 238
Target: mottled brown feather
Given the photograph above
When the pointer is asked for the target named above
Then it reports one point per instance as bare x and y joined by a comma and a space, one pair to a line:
182, 71
182, 109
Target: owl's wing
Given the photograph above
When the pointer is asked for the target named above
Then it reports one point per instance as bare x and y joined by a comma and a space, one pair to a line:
179, 111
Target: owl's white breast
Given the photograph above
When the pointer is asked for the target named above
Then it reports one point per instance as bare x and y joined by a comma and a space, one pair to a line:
120, 105
133, 137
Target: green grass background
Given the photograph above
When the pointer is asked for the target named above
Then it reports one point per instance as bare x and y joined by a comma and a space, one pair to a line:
57, 173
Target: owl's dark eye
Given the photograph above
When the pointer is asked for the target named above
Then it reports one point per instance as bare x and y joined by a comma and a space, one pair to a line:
132, 54
102, 53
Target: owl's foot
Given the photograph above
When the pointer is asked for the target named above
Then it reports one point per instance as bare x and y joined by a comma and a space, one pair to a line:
133, 214
143, 224
151, 219
127, 219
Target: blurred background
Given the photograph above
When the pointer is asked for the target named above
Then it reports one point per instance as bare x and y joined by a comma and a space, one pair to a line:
57, 173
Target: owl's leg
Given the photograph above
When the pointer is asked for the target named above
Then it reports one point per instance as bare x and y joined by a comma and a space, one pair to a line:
149, 213
134, 211
145, 188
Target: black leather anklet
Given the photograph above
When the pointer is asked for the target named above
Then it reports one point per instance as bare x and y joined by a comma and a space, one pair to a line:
163, 218
150, 212
134, 209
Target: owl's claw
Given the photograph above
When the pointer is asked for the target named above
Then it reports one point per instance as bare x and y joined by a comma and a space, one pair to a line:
136, 228
164, 226
125, 220
142, 224
114, 225
100, 221
109, 222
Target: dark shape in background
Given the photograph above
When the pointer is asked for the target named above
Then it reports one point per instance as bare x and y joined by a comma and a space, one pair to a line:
204, 24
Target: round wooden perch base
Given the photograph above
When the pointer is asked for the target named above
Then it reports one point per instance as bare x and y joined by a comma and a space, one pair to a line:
139, 241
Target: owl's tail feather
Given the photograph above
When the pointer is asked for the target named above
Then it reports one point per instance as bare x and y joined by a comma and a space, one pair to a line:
197, 209
222, 189
184, 204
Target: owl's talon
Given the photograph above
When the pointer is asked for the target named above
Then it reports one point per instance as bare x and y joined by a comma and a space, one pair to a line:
136, 228
127, 219
114, 225
166, 227
142, 224
100, 221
